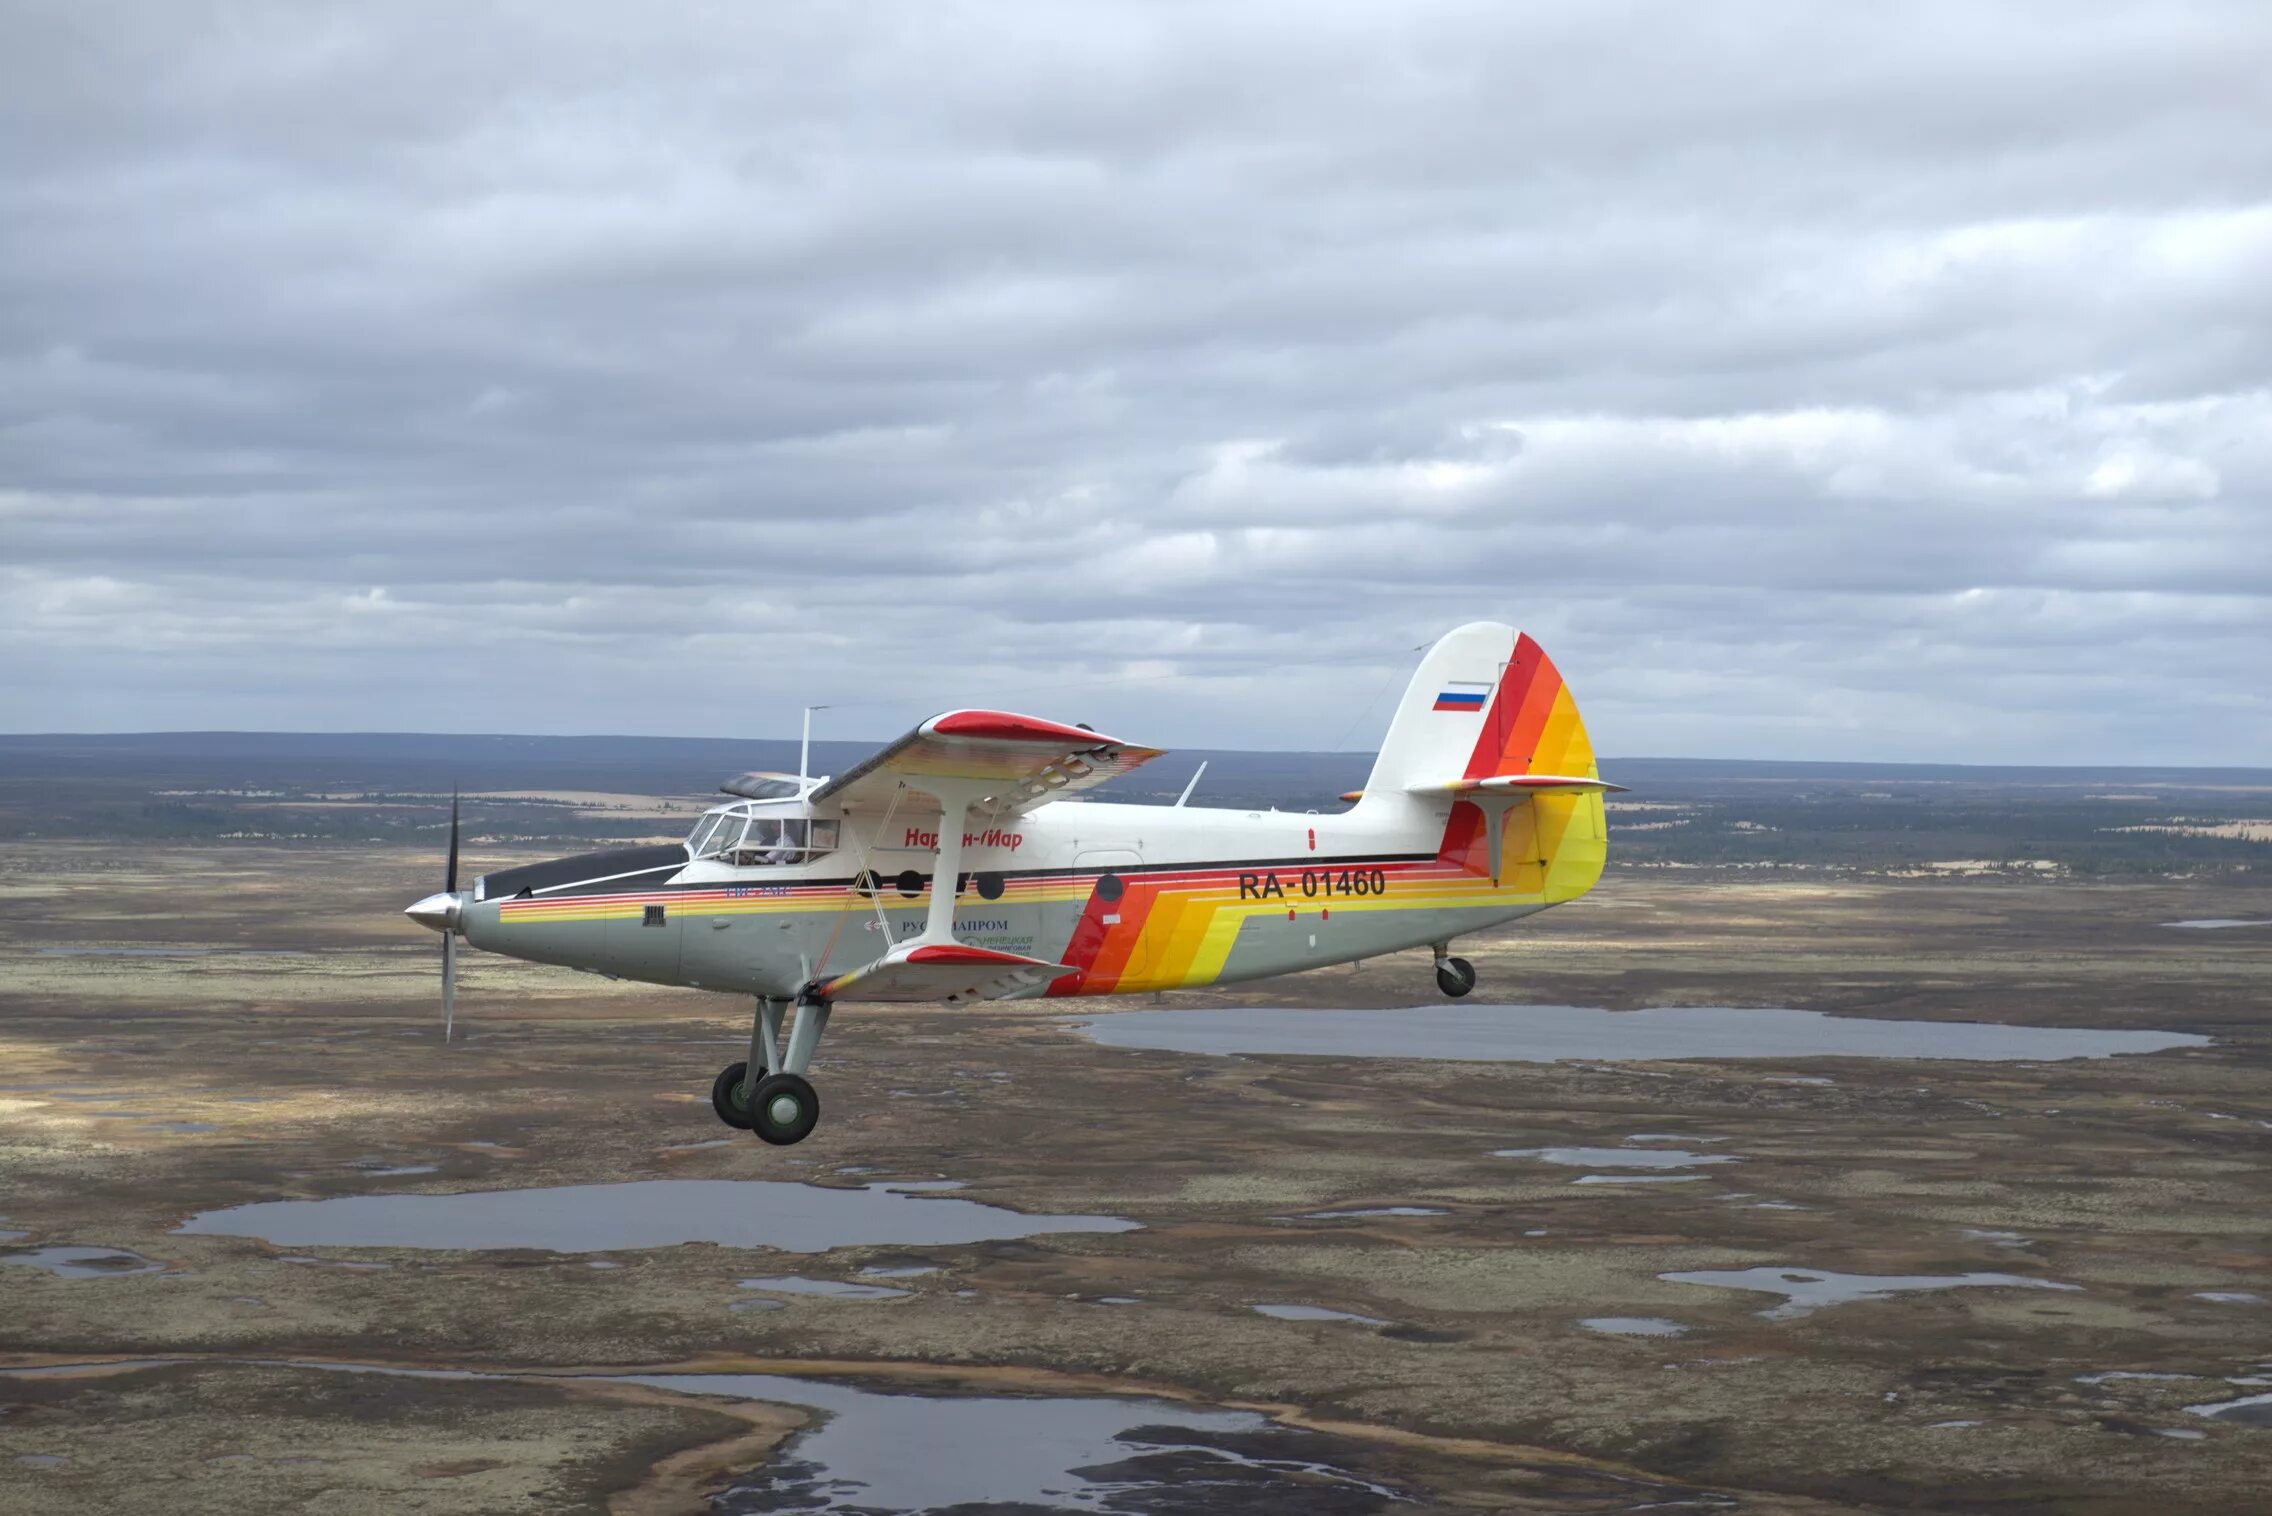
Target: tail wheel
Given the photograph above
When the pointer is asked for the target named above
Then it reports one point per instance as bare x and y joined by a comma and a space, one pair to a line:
784, 1110
729, 1099
1455, 976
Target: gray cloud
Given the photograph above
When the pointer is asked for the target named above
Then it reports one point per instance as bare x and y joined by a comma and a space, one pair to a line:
1813, 382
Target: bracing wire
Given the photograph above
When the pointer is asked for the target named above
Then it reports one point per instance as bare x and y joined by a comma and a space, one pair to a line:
1085, 685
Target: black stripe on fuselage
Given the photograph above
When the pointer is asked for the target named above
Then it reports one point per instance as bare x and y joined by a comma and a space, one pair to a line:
586, 872
608, 874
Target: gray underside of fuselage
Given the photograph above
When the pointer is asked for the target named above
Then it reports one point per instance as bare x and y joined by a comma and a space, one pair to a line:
776, 953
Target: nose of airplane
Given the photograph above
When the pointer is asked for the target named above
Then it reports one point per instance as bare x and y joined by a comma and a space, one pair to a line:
438, 910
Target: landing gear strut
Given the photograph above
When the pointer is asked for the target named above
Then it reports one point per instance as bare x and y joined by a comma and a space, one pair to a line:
778, 1104
1454, 976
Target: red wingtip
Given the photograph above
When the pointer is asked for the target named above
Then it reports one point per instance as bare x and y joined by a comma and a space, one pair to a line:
962, 953
1009, 726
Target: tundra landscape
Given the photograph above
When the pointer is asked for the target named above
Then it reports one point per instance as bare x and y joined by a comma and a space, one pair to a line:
1628, 1228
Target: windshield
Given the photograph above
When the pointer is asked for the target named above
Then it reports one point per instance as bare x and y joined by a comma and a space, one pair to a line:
714, 835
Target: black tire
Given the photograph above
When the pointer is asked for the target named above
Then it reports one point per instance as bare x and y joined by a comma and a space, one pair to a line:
767, 1109
726, 1096
1455, 977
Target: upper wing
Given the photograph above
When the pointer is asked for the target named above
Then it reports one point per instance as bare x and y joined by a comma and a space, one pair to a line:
1035, 761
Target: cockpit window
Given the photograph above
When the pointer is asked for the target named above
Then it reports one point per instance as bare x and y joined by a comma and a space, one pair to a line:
754, 841
785, 839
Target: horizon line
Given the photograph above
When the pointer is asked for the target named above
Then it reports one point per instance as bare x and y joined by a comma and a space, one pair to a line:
818, 742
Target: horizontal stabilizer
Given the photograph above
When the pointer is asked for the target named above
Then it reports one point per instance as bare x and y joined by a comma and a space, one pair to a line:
1516, 784
944, 971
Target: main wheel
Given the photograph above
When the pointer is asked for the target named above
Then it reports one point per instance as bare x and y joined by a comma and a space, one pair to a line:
729, 1099
1455, 976
784, 1110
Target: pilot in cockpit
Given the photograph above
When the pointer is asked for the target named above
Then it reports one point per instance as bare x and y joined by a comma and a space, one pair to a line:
771, 841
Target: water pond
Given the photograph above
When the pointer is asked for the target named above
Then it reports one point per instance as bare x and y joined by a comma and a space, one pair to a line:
834, 1289
1617, 1158
1556, 1033
1288, 1312
652, 1213
1805, 1291
873, 1450
83, 1263
1633, 1326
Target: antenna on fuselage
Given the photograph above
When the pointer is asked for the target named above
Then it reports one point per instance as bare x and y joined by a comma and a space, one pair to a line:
1194, 784
805, 750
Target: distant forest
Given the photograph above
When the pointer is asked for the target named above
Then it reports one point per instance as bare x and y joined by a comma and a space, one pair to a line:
344, 788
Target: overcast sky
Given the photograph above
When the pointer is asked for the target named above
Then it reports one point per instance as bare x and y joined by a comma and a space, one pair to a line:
1815, 381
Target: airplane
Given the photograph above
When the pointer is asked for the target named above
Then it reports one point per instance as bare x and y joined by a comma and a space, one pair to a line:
1483, 807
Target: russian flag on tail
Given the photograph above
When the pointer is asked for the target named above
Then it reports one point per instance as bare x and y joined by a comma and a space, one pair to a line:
1462, 695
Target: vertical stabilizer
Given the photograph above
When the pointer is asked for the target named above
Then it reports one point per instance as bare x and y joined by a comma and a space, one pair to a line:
1488, 703
1485, 701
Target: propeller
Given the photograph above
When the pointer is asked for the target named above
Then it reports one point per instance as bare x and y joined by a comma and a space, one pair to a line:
450, 938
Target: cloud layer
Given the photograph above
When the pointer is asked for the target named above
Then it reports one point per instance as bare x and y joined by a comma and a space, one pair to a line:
1814, 382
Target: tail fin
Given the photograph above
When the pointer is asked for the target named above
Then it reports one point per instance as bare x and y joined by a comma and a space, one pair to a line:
1487, 703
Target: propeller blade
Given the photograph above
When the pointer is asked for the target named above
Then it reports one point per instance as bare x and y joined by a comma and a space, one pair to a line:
450, 938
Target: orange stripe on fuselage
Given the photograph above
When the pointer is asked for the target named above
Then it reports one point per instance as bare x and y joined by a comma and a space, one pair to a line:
1120, 941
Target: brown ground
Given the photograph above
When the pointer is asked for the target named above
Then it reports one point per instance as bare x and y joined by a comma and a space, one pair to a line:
2141, 1179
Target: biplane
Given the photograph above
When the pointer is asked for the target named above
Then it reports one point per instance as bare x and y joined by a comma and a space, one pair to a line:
963, 863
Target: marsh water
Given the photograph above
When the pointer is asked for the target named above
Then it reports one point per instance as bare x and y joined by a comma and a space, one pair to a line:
1295, 1312
83, 1263
915, 1453
1617, 1158
1805, 1291
1633, 1326
651, 1213
873, 1450
834, 1289
171, 952
1555, 1033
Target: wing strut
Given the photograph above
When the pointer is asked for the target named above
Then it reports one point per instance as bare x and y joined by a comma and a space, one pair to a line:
933, 965
955, 797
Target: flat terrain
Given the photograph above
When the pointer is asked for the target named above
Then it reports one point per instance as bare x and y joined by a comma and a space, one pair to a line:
306, 1062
